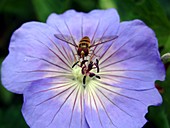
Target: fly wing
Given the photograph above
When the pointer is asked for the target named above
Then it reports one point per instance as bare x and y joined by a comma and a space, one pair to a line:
66, 38
104, 40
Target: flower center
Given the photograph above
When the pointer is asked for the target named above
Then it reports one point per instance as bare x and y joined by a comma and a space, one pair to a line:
84, 71
77, 75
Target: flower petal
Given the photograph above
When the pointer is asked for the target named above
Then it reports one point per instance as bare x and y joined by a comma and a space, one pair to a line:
34, 54
92, 24
109, 107
132, 58
49, 104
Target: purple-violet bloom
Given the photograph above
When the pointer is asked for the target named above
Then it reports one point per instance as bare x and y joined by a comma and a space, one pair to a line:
111, 87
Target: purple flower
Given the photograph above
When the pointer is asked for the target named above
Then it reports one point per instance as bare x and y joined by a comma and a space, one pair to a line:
111, 87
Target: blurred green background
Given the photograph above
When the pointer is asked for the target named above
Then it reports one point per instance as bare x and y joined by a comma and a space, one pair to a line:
155, 13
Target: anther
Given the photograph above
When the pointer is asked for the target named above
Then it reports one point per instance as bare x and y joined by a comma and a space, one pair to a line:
90, 66
91, 74
97, 68
83, 69
97, 65
97, 61
75, 64
97, 76
84, 80
87, 68
83, 62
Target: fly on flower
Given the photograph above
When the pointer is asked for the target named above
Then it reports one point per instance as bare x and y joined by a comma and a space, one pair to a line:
51, 76
85, 44
83, 50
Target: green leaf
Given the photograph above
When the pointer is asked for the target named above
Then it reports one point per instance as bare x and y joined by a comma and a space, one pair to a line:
104, 4
167, 46
11, 117
44, 8
84, 5
166, 94
158, 117
166, 6
21, 8
5, 96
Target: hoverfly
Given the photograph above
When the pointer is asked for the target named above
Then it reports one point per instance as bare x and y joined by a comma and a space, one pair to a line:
83, 50
84, 45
